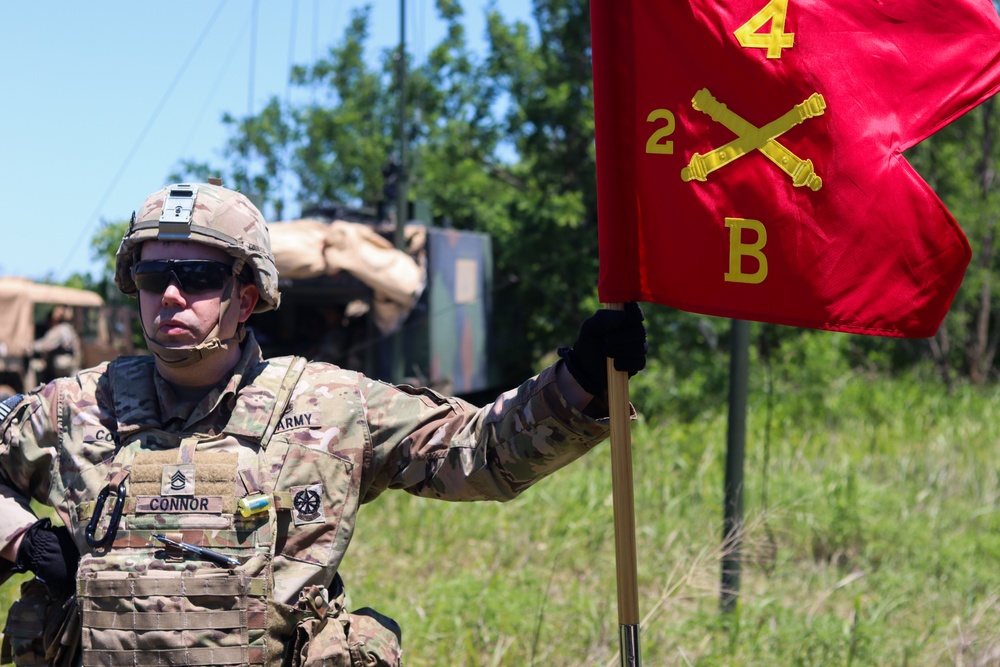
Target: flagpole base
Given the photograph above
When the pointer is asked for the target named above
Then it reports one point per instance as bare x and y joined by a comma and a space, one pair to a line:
629, 637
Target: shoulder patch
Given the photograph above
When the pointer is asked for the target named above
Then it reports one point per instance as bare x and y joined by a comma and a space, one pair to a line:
6, 407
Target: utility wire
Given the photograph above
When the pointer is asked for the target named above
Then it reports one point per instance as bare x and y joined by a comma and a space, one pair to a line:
87, 228
315, 35
291, 50
292, 35
248, 167
418, 21
253, 57
315, 46
216, 85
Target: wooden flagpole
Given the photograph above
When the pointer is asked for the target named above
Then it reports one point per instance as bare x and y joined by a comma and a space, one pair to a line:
623, 499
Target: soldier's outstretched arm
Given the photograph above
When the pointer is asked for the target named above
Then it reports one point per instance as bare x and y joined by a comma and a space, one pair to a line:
440, 447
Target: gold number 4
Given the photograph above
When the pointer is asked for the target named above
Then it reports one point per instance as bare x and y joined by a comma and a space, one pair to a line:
657, 142
776, 38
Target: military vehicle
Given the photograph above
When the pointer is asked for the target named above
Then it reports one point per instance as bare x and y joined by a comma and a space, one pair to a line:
346, 291
104, 331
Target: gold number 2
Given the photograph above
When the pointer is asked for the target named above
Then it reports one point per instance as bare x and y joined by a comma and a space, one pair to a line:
773, 40
657, 142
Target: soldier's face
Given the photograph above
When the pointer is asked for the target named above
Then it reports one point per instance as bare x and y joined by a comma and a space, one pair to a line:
176, 317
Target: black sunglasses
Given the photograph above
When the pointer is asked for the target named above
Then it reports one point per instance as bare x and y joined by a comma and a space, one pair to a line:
192, 275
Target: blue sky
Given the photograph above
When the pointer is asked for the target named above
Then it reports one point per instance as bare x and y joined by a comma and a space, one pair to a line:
94, 114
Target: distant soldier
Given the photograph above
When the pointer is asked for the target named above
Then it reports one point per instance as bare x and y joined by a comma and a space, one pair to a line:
209, 495
58, 350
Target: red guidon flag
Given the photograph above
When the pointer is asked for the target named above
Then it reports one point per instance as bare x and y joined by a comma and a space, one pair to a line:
749, 155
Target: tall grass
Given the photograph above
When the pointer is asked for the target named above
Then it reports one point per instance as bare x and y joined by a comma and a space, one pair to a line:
877, 541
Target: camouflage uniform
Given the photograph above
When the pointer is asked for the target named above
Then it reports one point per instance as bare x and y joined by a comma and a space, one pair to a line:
60, 346
340, 441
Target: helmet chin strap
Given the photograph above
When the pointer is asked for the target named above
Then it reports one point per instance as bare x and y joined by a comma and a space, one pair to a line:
187, 355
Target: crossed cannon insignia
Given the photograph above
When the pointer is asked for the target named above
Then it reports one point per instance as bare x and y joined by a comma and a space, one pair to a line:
751, 137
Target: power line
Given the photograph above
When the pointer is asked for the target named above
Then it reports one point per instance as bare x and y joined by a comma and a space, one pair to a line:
292, 36
315, 35
253, 57
216, 85
291, 49
88, 228
315, 44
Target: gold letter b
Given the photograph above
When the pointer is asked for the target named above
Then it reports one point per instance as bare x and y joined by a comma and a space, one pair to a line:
738, 249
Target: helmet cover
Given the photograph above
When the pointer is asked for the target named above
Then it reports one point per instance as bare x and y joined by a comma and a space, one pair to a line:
208, 214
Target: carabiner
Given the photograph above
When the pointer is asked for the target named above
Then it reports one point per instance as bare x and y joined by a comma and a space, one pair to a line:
116, 517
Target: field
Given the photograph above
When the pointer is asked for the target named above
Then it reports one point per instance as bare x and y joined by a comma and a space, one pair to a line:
872, 538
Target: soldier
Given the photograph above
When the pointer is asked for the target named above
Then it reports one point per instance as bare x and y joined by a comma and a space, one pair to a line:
209, 495
58, 349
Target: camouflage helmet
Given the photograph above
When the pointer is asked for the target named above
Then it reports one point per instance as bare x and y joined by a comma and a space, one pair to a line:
209, 214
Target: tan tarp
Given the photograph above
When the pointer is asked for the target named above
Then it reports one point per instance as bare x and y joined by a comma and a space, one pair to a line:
298, 248
18, 297
311, 248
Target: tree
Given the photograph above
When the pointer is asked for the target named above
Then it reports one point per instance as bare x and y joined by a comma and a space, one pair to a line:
960, 163
549, 246
526, 178
504, 144
103, 248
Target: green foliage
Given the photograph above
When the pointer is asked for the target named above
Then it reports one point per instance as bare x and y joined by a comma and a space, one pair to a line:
104, 245
103, 248
875, 542
501, 144
873, 493
552, 244
960, 162
876, 546
342, 142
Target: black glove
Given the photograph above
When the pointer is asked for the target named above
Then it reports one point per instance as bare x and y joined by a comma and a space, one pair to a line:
618, 334
50, 553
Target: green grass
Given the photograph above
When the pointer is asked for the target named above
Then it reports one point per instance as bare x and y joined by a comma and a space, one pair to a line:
878, 543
